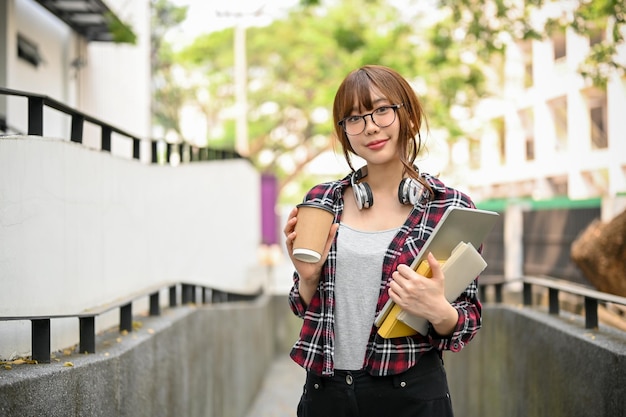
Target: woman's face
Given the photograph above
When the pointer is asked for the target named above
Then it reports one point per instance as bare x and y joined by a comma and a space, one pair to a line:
375, 144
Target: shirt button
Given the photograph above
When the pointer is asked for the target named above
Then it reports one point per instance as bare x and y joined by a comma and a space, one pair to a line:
403, 384
316, 386
349, 379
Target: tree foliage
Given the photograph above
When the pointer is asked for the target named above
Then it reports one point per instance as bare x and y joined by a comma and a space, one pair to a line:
294, 65
168, 96
485, 24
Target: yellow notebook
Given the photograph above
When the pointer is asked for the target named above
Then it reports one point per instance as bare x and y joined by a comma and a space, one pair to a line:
460, 269
391, 326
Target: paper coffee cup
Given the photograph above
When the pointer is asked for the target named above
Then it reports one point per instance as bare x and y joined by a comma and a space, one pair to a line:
312, 229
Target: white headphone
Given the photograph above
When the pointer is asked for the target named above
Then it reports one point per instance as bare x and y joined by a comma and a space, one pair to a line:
409, 190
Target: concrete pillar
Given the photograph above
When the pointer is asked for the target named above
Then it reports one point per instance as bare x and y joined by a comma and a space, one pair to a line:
513, 243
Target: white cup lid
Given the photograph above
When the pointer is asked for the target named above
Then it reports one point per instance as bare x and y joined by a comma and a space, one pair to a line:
306, 255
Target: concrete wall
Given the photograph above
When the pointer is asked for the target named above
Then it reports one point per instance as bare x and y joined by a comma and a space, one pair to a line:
526, 363
205, 361
210, 361
81, 228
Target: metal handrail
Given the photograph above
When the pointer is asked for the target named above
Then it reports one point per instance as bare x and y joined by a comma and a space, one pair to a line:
40, 324
554, 285
37, 102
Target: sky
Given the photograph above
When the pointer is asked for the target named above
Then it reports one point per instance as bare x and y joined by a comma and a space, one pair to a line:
205, 16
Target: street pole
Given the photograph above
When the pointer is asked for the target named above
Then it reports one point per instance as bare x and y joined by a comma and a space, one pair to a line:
241, 97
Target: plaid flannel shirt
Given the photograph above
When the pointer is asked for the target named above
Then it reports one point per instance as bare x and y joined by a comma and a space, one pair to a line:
314, 348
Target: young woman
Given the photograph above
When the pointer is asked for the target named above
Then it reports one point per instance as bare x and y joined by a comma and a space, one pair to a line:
384, 212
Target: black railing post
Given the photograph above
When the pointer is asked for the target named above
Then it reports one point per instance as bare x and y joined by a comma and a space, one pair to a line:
87, 342
105, 139
40, 340
155, 308
154, 148
136, 148
173, 298
168, 153
553, 295
35, 116
528, 294
126, 317
591, 313
76, 134
218, 296
188, 293
498, 289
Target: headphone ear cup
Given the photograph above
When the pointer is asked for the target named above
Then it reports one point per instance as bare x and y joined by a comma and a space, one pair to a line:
363, 195
409, 191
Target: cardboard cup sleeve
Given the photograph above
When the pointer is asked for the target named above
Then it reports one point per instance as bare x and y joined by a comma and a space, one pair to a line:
312, 229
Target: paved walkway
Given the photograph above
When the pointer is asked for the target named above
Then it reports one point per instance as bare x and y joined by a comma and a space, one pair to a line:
281, 390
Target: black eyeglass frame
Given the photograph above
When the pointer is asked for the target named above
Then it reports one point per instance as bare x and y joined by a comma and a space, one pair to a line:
395, 108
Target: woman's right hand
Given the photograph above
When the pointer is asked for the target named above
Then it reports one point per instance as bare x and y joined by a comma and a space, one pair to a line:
309, 273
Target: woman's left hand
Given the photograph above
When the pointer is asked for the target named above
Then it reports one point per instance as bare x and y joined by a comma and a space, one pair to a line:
424, 297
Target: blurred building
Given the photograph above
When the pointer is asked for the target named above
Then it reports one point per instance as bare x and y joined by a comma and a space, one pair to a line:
551, 133
80, 53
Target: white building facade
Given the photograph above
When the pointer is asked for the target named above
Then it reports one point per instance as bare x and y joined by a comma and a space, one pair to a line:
551, 133
68, 55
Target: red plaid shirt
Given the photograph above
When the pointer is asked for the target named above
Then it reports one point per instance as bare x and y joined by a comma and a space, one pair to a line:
314, 348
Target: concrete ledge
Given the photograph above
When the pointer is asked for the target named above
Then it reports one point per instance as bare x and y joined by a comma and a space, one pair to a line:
525, 362
191, 361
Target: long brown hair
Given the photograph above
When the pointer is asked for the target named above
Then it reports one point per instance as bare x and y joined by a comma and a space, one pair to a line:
356, 87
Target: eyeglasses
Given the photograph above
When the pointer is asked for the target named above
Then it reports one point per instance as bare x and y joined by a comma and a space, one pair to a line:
382, 117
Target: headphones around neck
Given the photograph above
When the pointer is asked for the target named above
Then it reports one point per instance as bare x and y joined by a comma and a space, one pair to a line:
409, 190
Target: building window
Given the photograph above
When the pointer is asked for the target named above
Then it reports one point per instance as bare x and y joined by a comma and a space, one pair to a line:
28, 51
474, 153
558, 110
500, 129
526, 117
560, 46
597, 104
597, 36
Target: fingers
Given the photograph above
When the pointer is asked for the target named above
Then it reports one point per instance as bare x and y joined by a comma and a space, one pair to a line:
290, 226
435, 266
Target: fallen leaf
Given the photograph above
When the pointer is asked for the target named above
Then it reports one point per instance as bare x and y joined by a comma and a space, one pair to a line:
68, 364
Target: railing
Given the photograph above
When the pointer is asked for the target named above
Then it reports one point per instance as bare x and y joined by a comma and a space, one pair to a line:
37, 102
40, 324
591, 297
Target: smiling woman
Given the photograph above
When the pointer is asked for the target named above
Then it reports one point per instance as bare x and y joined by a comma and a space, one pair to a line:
350, 367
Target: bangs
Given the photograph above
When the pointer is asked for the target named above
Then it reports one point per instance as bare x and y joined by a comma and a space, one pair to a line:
362, 85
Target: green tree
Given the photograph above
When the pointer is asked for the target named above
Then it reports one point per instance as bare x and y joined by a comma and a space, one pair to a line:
448, 52
484, 25
294, 67
168, 96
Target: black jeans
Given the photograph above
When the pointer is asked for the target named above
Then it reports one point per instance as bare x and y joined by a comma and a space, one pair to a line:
422, 391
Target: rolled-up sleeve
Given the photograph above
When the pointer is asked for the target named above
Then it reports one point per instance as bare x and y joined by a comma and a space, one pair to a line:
470, 321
